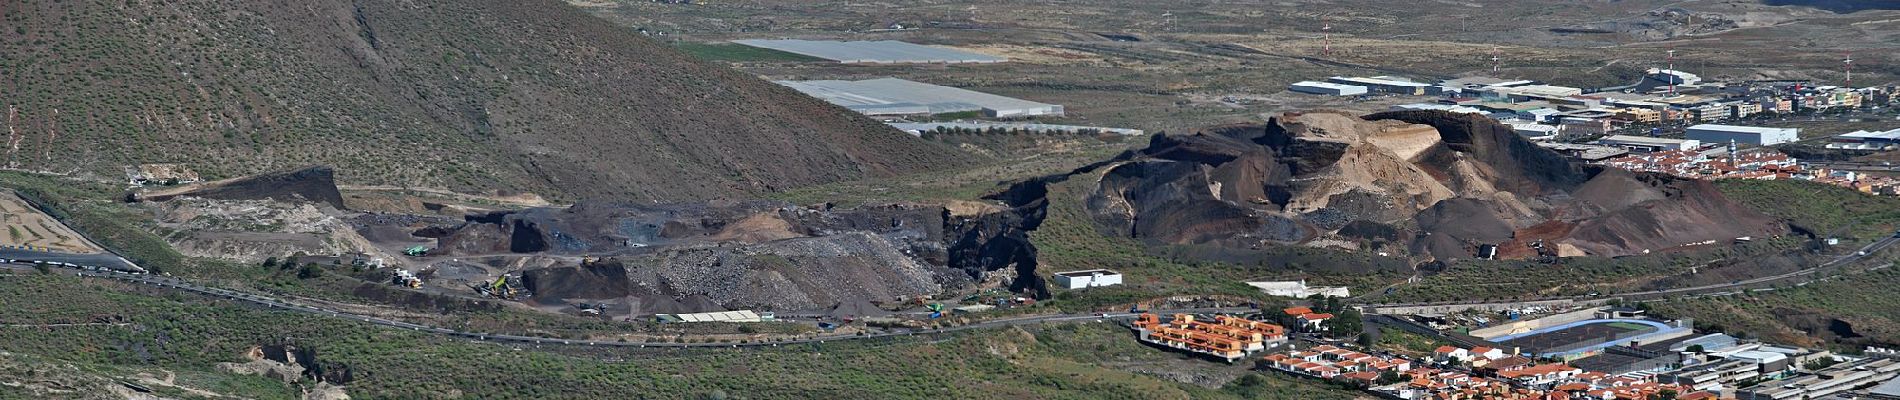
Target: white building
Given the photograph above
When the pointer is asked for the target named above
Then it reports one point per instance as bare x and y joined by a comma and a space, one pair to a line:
1088, 278
1755, 135
1536, 92
1387, 84
1671, 76
1438, 107
1326, 88
1645, 144
1536, 131
1299, 290
718, 316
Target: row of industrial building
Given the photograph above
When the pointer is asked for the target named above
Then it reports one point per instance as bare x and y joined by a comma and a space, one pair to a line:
1576, 112
1705, 364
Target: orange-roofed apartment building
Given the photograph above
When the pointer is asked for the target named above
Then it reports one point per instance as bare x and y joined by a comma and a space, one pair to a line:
1225, 337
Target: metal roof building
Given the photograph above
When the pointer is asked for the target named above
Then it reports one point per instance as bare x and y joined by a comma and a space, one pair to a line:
886, 95
718, 316
873, 52
1887, 137
1326, 88
1649, 144
1387, 84
1755, 135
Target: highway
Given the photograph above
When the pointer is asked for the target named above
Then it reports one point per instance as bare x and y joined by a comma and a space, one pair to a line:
278, 303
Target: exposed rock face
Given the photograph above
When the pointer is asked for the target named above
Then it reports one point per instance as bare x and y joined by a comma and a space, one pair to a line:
1433, 183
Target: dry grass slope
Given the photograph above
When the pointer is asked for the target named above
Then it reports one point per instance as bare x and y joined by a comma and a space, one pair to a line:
469, 95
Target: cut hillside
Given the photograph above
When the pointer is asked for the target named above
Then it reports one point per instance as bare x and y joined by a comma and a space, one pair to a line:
528, 95
1432, 184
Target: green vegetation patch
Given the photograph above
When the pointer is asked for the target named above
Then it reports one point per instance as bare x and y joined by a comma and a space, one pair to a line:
1821, 208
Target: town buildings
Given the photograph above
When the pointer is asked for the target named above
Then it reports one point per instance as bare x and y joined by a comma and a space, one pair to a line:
1226, 337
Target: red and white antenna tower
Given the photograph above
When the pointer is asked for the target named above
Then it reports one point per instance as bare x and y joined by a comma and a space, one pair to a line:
1849, 65
1497, 63
1326, 37
1672, 71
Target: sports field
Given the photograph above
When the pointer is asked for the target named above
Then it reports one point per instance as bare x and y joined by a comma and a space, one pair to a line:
1584, 336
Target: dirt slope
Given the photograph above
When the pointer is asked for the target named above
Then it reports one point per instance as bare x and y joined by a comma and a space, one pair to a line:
528, 95
1430, 183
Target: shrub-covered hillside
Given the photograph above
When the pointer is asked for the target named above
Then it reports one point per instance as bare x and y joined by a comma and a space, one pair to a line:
472, 95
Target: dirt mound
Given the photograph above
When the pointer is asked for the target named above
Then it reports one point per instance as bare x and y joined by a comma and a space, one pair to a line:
692, 257
1677, 212
314, 184
802, 274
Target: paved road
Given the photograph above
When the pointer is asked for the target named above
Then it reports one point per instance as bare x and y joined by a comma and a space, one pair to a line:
278, 303
1857, 255
103, 260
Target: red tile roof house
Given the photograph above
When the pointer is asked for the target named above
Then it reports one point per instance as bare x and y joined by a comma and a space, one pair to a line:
1541, 374
1452, 353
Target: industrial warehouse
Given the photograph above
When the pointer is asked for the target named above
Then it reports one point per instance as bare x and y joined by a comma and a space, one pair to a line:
1760, 136
892, 96
873, 52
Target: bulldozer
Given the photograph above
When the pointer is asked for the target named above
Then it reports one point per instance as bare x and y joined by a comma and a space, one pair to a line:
500, 288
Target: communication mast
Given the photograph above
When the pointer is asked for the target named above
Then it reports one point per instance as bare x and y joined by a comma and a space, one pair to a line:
1849, 65
1672, 72
1325, 31
1497, 63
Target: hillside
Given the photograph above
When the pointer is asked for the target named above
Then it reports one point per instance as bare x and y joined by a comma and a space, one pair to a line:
467, 95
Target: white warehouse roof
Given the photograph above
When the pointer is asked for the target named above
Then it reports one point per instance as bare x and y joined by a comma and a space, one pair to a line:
1887, 135
877, 96
1649, 141
1381, 81
719, 316
1439, 107
1759, 130
881, 51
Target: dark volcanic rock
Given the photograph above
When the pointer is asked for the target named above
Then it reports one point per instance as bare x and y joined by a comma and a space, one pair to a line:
315, 184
